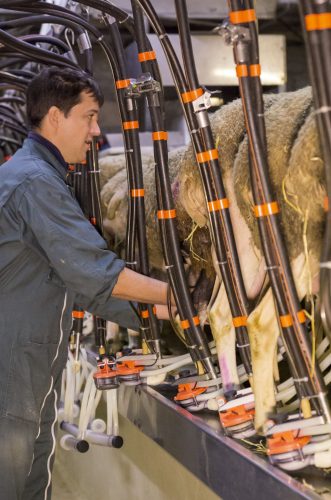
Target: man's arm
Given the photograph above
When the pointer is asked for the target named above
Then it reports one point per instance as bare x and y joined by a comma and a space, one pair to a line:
134, 286
76, 251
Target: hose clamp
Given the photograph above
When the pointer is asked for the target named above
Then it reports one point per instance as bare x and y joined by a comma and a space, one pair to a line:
142, 85
83, 42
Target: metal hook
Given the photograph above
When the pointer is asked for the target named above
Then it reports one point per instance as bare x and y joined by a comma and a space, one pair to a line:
67, 32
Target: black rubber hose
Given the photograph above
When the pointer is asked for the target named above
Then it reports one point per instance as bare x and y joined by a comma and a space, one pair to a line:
10, 114
11, 126
33, 52
16, 82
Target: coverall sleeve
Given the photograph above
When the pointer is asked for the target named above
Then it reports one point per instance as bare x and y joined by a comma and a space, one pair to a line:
116, 310
75, 250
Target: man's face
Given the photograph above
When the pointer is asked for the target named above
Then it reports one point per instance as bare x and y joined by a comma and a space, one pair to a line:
76, 130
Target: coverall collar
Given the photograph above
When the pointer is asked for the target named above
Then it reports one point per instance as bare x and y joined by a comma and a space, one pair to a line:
60, 165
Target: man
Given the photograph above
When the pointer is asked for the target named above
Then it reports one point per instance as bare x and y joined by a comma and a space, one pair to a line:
50, 257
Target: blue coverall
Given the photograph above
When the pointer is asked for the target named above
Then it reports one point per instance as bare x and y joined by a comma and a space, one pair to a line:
50, 257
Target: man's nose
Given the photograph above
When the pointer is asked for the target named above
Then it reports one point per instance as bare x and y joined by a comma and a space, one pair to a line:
95, 129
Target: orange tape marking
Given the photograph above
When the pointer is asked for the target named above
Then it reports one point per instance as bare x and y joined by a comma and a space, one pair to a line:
326, 204
160, 136
205, 156
266, 209
166, 214
241, 70
78, 314
144, 314
255, 70
239, 321
122, 84
242, 16
301, 316
216, 205
130, 125
286, 321
137, 193
191, 95
315, 22
146, 56
185, 324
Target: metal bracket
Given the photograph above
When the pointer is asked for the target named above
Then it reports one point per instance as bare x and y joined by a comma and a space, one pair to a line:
142, 85
203, 102
231, 33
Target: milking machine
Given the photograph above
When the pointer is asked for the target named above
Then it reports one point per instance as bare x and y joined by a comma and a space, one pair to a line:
288, 444
299, 434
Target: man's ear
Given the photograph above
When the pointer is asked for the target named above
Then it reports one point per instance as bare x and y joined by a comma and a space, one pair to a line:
54, 116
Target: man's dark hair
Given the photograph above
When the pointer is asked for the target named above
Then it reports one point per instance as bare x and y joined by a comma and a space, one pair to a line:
59, 87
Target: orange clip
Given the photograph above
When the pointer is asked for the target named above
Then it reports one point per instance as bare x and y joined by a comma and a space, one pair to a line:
316, 22
188, 391
242, 16
130, 125
166, 214
235, 416
144, 314
239, 321
160, 136
104, 371
285, 442
122, 84
191, 95
128, 368
137, 193
205, 156
216, 205
266, 209
185, 324
146, 56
